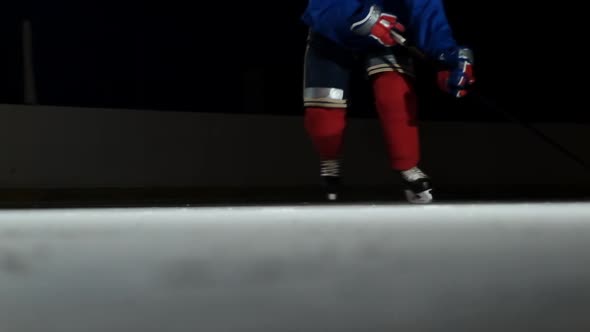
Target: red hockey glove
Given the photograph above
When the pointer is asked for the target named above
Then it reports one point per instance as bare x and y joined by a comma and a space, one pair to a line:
459, 77
381, 31
378, 26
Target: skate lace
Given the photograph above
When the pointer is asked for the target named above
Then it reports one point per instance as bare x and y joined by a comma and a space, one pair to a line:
330, 168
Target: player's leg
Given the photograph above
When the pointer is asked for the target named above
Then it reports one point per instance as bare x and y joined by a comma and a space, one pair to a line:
395, 100
326, 81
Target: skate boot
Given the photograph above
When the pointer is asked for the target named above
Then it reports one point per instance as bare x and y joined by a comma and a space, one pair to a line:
418, 187
330, 175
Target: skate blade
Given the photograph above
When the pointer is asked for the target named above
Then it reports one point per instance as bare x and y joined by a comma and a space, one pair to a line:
424, 197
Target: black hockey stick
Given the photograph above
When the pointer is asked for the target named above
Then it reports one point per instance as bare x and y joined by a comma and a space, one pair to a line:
417, 53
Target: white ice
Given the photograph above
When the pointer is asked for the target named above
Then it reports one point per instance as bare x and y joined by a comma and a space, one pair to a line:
370, 268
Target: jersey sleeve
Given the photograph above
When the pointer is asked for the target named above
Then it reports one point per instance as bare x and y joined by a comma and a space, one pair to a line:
430, 27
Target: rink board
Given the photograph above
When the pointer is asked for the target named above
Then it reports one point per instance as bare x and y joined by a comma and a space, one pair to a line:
447, 267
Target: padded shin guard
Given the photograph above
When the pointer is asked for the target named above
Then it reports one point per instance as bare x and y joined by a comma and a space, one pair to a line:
325, 127
396, 104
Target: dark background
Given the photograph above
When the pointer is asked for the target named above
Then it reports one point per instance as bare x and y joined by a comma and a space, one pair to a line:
216, 56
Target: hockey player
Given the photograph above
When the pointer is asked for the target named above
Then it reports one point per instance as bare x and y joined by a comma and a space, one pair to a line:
344, 33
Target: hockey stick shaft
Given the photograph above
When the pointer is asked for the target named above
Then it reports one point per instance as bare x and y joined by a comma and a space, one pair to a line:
488, 104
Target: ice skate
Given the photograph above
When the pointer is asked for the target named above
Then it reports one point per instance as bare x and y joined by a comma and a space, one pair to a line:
330, 175
418, 187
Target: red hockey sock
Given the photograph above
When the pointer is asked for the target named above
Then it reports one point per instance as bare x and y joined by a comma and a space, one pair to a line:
396, 104
325, 127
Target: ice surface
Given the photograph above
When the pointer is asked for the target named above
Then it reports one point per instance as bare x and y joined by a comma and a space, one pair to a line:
455, 267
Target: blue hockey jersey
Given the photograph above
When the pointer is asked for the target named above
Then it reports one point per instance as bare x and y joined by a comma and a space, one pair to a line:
425, 21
